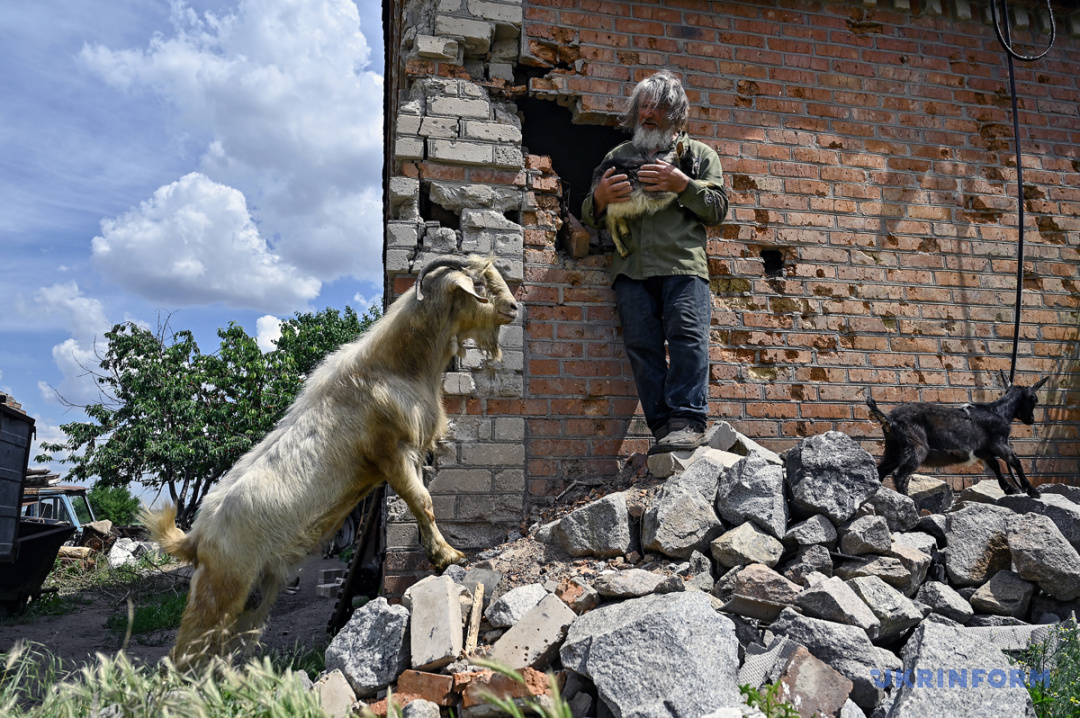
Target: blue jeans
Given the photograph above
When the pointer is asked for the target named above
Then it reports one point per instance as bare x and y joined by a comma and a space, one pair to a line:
677, 310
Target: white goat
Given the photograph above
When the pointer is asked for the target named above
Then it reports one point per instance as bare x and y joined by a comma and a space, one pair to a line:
369, 413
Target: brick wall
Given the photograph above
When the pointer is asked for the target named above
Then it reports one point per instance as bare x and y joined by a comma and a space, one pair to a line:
866, 144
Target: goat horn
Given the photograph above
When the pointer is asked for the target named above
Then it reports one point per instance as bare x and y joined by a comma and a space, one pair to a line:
1004, 379
1039, 383
456, 262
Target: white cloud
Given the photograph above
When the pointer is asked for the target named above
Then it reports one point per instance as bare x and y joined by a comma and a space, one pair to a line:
51, 433
364, 303
278, 97
268, 331
194, 242
84, 318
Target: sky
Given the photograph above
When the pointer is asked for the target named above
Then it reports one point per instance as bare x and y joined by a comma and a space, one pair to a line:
204, 161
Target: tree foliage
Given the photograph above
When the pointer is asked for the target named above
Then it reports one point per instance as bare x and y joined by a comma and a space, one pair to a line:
114, 503
175, 418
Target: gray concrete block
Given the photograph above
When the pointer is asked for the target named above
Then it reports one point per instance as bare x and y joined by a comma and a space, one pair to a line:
409, 148
459, 383
443, 127
436, 48
510, 481
408, 124
466, 153
403, 235
476, 35
457, 107
499, 12
509, 157
335, 695
535, 639
490, 131
499, 455
435, 630
456, 481
509, 428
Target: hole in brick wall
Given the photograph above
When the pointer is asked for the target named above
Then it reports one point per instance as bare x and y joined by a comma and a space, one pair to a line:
575, 150
435, 212
514, 215
774, 262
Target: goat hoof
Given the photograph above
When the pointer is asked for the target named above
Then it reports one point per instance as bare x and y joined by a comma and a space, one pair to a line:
1034, 493
446, 558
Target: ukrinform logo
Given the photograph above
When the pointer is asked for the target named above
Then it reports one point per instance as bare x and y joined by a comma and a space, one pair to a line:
958, 678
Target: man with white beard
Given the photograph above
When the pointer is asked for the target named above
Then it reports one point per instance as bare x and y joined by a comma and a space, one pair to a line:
662, 283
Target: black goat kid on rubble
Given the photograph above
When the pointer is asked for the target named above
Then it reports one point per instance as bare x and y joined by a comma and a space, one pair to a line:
921, 434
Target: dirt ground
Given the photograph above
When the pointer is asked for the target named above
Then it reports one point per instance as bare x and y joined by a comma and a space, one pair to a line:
296, 618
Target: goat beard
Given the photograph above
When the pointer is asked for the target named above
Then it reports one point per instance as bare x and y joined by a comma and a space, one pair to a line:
488, 343
652, 140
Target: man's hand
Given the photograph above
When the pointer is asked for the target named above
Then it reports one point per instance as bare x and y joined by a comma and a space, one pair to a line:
662, 177
611, 188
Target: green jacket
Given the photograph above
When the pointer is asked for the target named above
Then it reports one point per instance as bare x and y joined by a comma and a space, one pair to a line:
671, 241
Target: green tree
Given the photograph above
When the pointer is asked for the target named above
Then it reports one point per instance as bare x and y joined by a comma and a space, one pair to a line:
115, 503
175, 418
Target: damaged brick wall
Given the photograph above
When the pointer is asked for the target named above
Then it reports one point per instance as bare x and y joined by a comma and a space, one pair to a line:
871, 241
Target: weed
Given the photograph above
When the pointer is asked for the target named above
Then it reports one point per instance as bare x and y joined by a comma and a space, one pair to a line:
27, 673
1057, 660
162, 612
768, 701
309, 659
115, 687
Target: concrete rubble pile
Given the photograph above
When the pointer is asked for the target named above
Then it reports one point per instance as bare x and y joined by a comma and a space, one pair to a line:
747, 568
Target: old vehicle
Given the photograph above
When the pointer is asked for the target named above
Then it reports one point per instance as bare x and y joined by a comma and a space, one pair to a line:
28, 545
62, 502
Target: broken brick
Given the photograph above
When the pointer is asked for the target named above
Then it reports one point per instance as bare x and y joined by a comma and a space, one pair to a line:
502, 686
434, 687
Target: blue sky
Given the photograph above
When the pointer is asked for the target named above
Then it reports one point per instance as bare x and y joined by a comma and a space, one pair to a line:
209, 160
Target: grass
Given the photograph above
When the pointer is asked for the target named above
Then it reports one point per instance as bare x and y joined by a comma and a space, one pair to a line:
150, 622
70, 584
1057, 695
36, 684
32, 685
300, 658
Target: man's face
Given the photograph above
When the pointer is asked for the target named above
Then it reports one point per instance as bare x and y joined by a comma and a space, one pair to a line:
653, 132
652, 117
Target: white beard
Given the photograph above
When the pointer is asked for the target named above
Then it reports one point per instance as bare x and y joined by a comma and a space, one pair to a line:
652, 140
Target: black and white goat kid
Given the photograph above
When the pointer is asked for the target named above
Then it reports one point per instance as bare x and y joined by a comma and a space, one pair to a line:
642, 201
922, 434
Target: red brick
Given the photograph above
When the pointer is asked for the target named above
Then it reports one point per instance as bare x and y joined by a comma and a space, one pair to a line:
381, 708
434, 687
501, 686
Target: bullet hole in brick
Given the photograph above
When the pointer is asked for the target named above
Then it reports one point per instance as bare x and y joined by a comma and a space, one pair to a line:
774, 262
575, 150
434, 212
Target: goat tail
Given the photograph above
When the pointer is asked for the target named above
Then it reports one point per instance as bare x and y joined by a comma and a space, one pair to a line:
163, 529
877, 415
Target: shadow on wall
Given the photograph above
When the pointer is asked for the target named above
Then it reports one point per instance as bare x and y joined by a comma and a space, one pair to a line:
1058, 421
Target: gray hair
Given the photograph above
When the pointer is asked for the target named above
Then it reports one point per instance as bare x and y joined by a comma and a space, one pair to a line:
663, 90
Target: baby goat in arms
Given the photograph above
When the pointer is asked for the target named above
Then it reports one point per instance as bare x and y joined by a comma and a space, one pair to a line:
642, 201
920, 434
368, 414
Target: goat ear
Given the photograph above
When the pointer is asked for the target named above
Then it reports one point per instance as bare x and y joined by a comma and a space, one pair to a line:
1039, 383
465, 284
